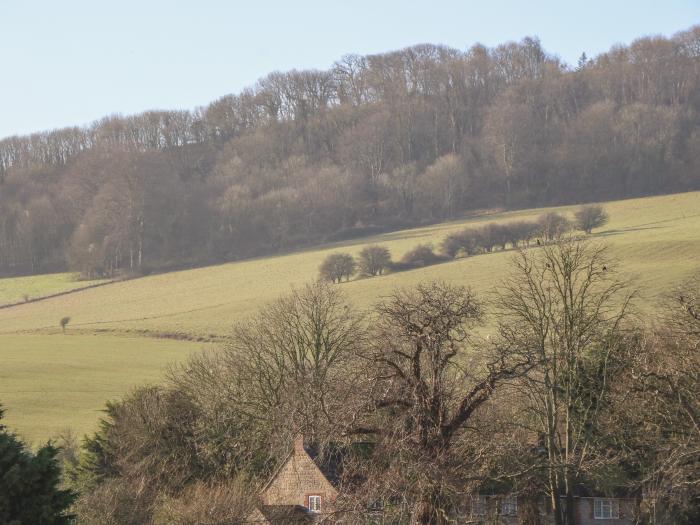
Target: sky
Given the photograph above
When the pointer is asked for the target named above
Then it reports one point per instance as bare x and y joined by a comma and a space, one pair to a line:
71, 62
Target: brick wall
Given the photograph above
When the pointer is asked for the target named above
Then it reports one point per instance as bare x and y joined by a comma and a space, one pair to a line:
298, 479
585, 512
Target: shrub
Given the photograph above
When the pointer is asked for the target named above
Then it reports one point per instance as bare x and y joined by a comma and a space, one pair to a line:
465, 242
207, 504
421, 255
553, 225
374, 260
589, 217
493, 235
64, 322
336, 266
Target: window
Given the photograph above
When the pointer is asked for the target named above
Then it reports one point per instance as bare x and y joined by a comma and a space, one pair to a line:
606, 509
315, 503
478, 506
509, 506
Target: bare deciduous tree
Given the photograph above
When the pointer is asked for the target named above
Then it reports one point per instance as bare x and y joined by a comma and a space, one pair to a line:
374, 260
428, 378
590, 217
564, 306
337, 266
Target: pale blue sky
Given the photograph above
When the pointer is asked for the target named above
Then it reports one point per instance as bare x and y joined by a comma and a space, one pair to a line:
69, 62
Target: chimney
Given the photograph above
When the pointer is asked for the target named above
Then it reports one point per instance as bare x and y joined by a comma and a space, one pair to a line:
299, 444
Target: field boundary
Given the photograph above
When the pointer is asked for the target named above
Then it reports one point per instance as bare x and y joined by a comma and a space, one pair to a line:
58, 294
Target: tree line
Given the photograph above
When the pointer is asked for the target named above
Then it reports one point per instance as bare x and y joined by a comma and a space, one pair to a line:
569, 393
376, 142
374, 259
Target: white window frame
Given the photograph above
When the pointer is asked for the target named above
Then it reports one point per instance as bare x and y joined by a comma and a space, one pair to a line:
606, 509
479, 505
509, 506
315, 501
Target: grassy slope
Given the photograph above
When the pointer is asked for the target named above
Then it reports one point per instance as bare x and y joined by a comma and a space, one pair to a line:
17, 289
657, 240
51, 383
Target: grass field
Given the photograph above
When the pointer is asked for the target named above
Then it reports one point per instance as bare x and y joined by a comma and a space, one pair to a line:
52, 383
17, 289
656, 239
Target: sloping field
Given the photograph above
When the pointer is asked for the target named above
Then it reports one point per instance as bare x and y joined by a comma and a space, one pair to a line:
52, 383
49, 381
18, 289
657, 240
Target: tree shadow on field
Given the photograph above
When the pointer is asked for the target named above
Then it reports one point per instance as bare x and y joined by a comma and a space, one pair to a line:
620, 231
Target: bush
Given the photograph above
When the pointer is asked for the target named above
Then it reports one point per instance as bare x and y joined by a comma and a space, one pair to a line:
374, 260
493, 235
465, 242
421, 255
207, 504
336, 266
553, 225
589, 217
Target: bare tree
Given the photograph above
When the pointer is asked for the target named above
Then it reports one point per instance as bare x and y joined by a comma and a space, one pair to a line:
427, 382
337, 266
564, 305
658, 398
374, 260
553, 226
590, 217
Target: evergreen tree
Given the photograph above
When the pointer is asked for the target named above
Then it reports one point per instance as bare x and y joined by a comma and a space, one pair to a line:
29, 484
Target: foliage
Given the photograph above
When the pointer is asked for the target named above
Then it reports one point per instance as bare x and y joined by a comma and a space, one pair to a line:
29, 484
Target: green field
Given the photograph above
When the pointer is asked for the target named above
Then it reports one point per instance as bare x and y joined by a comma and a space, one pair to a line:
656, 239
18, 289
51, 383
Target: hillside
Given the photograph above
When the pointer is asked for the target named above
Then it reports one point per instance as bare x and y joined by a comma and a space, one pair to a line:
415, 136
33, 287
656, 239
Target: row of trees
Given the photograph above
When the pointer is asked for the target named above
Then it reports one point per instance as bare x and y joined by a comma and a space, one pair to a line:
548, 227
374, 260
376, 142
569, 394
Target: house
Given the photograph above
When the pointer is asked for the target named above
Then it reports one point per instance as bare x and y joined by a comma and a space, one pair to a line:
302, 490
305, 486
506, 509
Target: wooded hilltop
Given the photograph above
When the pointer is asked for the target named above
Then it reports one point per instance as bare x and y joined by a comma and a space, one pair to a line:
376, 142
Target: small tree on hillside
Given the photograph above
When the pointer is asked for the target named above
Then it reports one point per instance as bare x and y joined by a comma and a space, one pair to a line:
64, 322
421, 255
553, 225
337, 266
374, 260
589, 217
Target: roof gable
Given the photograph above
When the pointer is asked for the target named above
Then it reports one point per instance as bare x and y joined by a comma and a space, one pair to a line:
298, 474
